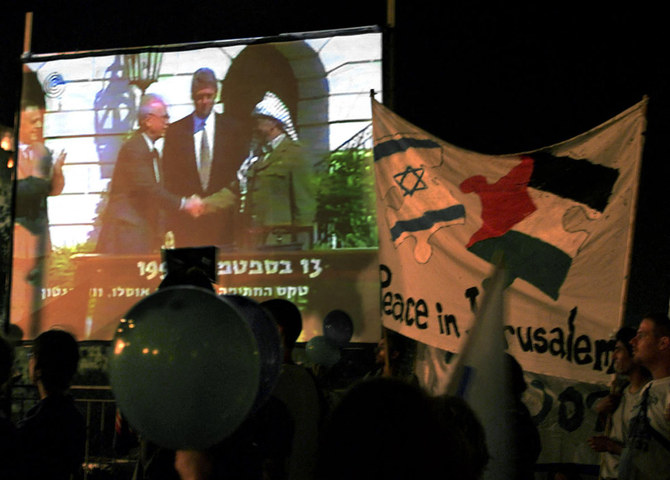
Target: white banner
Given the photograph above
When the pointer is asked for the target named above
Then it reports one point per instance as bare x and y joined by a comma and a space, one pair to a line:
562, 216
562, 409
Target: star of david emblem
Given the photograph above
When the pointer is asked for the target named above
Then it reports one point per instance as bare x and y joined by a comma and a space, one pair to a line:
410, 175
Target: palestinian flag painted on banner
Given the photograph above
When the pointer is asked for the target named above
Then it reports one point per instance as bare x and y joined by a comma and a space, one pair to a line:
524, 215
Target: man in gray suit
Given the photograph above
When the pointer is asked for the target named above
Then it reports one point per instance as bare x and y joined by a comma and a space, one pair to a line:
134, 219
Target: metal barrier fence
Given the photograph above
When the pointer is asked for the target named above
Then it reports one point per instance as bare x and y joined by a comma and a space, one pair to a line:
97, 405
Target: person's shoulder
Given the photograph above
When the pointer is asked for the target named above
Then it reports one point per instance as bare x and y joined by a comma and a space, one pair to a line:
297, 374
134, 140
134, 144
179, 129
182, 123
32, 417
224, 121
660, 384
63, 406
291, 149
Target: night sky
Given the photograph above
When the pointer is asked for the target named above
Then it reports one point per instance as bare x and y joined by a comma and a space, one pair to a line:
494, 79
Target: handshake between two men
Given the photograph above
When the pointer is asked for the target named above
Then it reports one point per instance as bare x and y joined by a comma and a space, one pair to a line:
196, 206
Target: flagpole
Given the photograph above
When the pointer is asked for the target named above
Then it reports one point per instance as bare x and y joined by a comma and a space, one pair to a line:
389, 55
28, 32
629, 260
632, 218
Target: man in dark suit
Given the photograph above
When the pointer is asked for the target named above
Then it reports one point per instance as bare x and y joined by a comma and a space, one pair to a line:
133, 221
202, 153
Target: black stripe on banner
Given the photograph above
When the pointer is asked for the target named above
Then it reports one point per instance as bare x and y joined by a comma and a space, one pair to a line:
576, 179
402, 144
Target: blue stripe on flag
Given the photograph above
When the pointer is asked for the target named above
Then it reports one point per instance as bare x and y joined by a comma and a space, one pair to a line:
402, 144
427, 220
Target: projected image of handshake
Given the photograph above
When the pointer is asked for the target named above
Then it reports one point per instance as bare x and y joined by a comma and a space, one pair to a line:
196, 206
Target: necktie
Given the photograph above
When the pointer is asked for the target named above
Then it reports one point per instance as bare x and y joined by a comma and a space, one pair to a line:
205, 160
157, 165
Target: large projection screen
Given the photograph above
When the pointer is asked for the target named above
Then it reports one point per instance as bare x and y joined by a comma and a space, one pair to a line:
63, 276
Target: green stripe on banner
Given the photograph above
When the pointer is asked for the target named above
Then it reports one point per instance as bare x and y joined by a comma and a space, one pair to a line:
528, 258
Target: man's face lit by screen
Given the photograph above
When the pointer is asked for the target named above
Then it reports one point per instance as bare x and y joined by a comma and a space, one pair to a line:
31, 125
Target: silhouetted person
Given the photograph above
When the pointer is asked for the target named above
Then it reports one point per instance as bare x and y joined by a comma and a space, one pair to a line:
394, 356
52, 435
8, 446
382, 429
297, 389
462, 439
527, 443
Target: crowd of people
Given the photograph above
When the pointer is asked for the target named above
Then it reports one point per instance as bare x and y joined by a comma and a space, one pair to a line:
383, 426
636, 444
48, 442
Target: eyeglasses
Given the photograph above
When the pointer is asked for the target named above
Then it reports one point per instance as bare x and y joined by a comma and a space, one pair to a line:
165, 117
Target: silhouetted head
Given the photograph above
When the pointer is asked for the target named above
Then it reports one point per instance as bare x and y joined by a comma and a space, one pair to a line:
382, 428
54, 359
463, 437
288, 318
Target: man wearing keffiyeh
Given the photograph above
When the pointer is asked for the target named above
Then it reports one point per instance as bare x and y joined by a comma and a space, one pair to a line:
275, 181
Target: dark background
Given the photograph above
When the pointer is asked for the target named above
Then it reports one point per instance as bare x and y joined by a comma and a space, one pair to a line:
494, 78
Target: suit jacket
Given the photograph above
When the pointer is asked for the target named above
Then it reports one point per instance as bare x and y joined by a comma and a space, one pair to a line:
281, 189
181, 178
32, 189
133, 221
